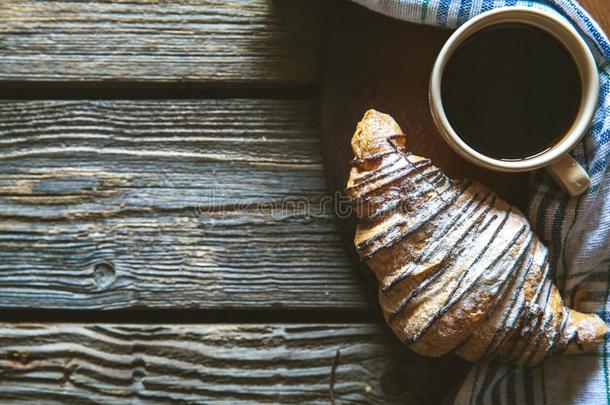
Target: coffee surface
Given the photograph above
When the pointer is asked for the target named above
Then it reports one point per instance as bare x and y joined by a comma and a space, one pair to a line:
511, 91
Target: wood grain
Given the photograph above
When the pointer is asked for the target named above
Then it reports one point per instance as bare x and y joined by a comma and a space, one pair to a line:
237, 364
167, 204
209, 41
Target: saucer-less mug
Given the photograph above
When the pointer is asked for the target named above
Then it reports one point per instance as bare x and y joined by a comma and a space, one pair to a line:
562, 167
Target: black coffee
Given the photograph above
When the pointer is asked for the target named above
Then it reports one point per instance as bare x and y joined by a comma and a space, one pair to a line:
511, 91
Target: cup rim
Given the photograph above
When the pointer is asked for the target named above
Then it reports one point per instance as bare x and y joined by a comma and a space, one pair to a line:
584, 61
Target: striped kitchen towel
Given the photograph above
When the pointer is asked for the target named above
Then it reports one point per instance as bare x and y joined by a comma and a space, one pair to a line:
577, 230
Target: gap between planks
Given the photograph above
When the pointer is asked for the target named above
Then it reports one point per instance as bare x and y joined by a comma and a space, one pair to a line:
30, 90
193, 316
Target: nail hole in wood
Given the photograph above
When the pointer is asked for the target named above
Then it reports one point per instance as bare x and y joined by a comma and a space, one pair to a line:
394, 382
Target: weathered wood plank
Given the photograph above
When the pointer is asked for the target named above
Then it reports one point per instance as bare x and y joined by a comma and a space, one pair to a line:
216, 41
236, 364
167, 204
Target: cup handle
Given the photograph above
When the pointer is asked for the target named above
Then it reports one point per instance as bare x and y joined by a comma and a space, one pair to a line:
569, 175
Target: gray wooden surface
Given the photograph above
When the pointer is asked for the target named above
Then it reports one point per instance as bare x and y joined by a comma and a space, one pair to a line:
236, 364
167, 203
157, 191
210, 41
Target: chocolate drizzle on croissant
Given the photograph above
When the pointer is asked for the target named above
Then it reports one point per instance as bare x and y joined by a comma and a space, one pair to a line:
459, 269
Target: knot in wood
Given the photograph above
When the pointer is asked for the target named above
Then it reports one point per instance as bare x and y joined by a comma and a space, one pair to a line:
104, 274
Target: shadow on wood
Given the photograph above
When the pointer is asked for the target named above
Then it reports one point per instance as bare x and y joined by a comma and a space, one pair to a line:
376, 62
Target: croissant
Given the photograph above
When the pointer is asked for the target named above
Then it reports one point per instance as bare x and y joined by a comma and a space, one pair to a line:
458, 268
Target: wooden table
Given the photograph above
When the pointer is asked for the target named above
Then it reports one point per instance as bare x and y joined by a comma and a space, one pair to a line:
145, 151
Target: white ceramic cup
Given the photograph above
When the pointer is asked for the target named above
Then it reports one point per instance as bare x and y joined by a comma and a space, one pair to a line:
562, 167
